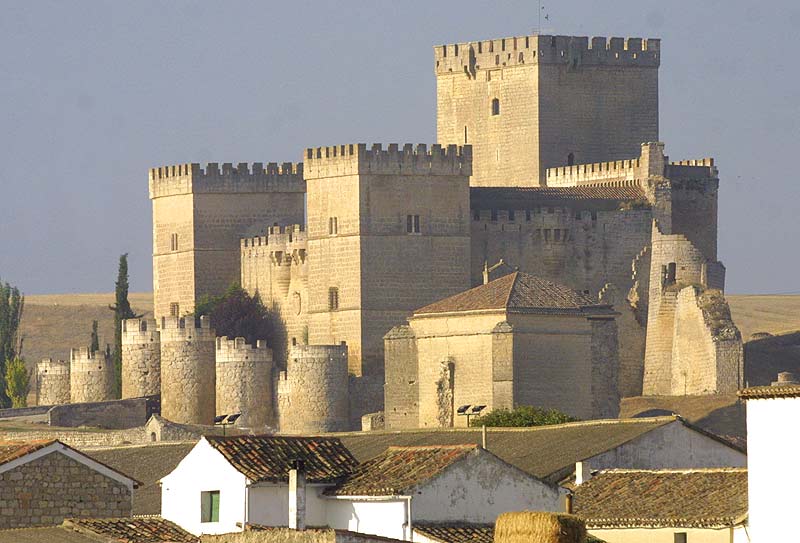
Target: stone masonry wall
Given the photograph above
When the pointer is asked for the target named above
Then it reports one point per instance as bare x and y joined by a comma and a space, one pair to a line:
91, 376
47, 490
605, 369
52, 382
188, 372
313, 391
244, 382
141, 358
401, 394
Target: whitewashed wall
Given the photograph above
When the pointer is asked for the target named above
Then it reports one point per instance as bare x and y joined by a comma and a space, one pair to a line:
386, 518
268, 504
203, 469
772, 474
667, 535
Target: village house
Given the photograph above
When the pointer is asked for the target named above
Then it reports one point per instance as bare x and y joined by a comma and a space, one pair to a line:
44, 482
772, 445
665, 506
227, 483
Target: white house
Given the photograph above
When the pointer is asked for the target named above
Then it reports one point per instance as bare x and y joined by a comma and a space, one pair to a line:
665, 506
387, 495
773, 413
226, 483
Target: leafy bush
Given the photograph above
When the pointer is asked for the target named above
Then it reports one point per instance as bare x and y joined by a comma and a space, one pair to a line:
523, 415
17, 382
237, 314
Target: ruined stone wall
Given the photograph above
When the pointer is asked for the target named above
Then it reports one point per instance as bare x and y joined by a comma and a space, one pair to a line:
199, 215
605, 363
707, 346
244, 382
372, 259
188, 372
91, 376
313, 391
141, 358
52, 382
401, 394
597, 100
45, 491
631, 341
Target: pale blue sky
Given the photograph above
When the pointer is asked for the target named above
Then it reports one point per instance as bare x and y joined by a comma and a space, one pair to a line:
92, 94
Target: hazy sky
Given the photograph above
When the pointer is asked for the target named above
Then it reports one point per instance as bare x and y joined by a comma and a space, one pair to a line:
92, 94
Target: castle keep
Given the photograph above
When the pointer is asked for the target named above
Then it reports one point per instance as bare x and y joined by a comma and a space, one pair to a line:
548, 178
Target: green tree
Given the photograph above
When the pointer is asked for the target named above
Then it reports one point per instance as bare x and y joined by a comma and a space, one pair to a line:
11, 305
18, 381
122, 310
237, 314
523, 415
95, 341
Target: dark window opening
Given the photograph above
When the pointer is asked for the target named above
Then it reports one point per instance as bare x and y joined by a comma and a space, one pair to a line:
174, 309
476, 215
494, 215
496, 106
528, 215
412, 224
511, 215
333, 299
570, 159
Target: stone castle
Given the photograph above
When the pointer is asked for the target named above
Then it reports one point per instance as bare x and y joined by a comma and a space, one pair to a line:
548, 166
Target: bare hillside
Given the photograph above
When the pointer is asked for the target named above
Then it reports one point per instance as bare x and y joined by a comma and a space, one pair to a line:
54, 323
775, 314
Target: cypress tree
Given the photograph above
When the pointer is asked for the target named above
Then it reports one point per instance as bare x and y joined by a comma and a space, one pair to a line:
95, 341
11, 305
122, 310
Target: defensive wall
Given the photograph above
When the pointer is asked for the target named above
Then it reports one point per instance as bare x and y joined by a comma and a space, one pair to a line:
114, 414
141, 358
244, 382
52, 382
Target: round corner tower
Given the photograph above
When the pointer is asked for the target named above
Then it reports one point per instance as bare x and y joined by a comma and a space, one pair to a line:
52, 382
313, 391
91, 376
244, 381
187, 370
141, 358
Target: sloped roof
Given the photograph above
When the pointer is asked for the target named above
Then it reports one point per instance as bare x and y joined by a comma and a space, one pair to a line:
49, 534
11, 450
601, 197
518, 292
135, 530
547, 452
456, 532
774, 391
148, 463
269, 458
697, 498
400, 469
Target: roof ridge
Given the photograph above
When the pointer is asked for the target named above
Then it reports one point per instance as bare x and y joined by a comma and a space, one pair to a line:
724, 469
458, 446
514, 280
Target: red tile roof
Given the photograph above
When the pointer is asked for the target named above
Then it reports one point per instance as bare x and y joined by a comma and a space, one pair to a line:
601, 198
691, 498
400, 469
456, 532
11, 450
767, 391
518, 292
134, 530
269, 458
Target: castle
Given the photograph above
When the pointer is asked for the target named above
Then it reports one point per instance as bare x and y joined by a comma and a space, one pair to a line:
548, 160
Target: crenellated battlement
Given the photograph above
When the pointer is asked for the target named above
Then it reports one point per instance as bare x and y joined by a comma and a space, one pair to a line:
52, 367
282, 244
227, 347
175, 323
242, 178
469, 57
701, 168
86, 354
355, 159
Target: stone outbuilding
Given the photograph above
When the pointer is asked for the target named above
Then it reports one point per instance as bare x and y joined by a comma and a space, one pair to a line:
517, 340
44, 482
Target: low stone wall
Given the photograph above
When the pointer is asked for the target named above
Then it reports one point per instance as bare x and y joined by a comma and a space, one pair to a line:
113, 414
82, 440
24, 411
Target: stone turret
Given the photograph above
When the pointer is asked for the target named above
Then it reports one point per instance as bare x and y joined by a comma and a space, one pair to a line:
313, 391
244, 382
187, 370
91, 376
141, 358
52, 382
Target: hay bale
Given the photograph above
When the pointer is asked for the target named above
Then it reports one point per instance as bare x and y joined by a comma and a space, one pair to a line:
535, 527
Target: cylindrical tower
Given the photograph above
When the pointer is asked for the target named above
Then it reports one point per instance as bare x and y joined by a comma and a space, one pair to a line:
244, 382
52, 382
141, 358
91, 376
313, 391
187, 370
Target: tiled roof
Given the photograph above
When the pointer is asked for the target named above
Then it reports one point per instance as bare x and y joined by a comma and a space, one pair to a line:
457, 532
763, 392
400, 469
547, 452
49, 534
135, 530
699, 498
518, 292
526, 197
269, 458
148, 463
11, 450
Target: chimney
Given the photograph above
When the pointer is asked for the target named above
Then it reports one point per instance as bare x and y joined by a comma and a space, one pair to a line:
583, 472
785, 378
297, 495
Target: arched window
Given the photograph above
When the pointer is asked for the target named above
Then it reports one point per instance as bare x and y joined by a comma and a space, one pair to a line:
496, 106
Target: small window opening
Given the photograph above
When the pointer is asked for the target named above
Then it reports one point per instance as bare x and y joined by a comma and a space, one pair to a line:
173, 242
152, 436
496, 106
333, 299
333, 226
594, 215
497, 60
494, 215
412, 224
547, 234
557, 234
476, 215
528, 215
209, 506
680, 537
465, 135
174, 309
570, 159
511, 215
